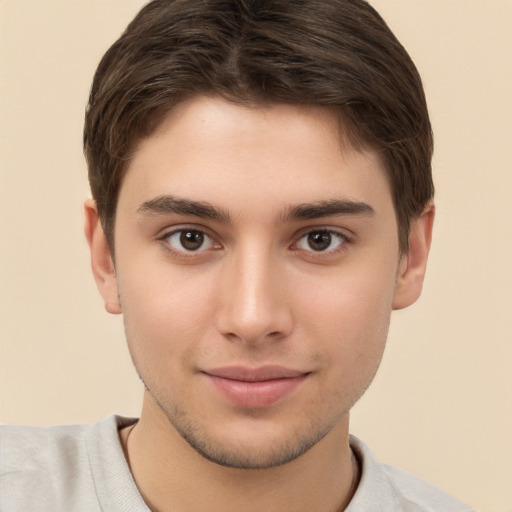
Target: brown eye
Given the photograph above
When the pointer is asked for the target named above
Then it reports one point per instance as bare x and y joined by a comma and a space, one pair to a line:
321, 241
189, 240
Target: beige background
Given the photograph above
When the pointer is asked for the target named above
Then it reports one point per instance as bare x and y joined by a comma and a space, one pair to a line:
441, 406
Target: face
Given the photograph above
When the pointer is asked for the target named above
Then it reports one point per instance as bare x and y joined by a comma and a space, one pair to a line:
257, 265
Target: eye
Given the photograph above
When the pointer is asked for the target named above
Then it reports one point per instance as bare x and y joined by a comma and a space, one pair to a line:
189, 240
321, 241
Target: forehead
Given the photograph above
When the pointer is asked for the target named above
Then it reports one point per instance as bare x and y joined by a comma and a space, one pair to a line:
214, 150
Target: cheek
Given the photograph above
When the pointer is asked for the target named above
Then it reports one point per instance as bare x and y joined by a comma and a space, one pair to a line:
165, 314
352, 312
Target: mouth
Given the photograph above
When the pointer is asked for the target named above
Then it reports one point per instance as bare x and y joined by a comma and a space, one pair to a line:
255, 388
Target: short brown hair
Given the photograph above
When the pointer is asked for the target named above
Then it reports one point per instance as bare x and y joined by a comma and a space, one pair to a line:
337, 53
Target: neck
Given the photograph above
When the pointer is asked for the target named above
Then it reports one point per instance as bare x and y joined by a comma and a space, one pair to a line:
171, 475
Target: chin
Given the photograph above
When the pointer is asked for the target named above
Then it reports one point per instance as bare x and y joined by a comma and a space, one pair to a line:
250, 455
255, 446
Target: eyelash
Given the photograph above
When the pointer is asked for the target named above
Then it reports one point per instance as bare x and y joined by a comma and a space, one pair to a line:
184, 253
343, 239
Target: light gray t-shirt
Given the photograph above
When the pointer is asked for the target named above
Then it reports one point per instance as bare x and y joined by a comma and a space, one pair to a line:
82, 468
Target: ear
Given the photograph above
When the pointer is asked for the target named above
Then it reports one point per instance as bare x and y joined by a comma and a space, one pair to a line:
101, 260
413, 264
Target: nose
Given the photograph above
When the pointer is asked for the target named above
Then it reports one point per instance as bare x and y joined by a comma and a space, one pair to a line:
254, 305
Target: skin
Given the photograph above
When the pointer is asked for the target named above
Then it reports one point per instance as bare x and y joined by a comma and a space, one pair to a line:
260, 291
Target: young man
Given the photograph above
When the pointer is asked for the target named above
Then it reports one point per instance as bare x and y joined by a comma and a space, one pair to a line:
262, 201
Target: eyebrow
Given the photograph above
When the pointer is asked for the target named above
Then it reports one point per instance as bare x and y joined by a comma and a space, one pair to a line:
327, 208
166, 204
171, 204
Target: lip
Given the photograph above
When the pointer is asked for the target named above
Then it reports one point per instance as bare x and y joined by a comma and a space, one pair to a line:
255, 388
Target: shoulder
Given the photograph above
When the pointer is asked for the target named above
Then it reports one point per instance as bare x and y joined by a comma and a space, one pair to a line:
421, 494
49, 468
41, 467
19, 442
384, 488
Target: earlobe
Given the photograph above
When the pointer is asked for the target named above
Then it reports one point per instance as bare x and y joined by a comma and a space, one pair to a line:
413, 265
101, 259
